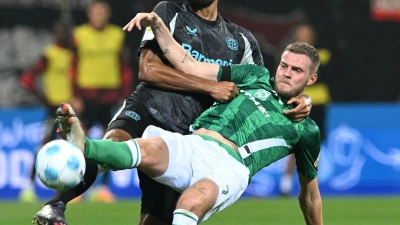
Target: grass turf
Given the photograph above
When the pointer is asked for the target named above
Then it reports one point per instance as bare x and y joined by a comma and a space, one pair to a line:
337, 211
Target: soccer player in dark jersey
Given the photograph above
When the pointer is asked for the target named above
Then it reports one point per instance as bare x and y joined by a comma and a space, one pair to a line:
231, 141
171, 99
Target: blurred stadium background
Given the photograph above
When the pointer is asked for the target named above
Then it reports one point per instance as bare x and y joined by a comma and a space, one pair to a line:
360, 158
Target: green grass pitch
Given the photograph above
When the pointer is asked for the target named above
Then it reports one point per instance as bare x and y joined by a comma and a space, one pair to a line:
337, 211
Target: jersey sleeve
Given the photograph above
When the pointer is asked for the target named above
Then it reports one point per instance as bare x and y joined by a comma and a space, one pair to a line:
244, 75
161, 10
252, 52
307, 151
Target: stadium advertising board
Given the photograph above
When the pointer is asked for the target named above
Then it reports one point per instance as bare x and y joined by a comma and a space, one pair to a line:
363, 149
360, 156
21, 132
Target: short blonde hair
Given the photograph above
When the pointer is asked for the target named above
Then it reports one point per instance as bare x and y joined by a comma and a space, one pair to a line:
308, 50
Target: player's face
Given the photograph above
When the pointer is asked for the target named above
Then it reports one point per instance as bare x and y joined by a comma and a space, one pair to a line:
200, 4
293, 75
98, 15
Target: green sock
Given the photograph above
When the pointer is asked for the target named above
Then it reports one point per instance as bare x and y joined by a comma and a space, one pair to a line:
113, 155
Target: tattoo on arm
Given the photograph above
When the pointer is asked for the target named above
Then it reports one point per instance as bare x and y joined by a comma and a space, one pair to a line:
166, 51
157, 26
185, 58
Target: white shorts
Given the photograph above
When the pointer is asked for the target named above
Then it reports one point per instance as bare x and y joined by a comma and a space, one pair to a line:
191, 158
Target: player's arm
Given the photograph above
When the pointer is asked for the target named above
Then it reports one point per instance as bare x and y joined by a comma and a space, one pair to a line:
310, 200
153, 70
171, 50
307, 152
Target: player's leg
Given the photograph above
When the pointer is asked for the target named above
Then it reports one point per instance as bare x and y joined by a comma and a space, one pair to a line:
102, 114
217, 180
150, 155
158, 202
195, 202
53, 211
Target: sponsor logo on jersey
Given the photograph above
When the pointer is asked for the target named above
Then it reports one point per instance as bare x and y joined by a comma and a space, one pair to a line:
133, 115
191, 31
201, 58
233, 44
256, 103
262, 94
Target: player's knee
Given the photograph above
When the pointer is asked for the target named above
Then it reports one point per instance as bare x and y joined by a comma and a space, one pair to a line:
117, 135
194, 205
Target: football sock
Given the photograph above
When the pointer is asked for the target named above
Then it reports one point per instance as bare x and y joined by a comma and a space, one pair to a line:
184, 217
113, 155
88, 180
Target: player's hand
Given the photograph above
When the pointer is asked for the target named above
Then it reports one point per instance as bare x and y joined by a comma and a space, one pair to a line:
142, 19
303, 105
224, 91
51, 214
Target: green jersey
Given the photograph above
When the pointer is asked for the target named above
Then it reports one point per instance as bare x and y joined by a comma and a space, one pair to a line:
254, 121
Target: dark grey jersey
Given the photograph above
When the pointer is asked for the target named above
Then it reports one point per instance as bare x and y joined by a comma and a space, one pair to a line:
220, 42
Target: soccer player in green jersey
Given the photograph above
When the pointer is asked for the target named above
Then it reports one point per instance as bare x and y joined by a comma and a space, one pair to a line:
231, 140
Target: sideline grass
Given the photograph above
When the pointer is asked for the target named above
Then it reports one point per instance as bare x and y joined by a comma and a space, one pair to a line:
337, 211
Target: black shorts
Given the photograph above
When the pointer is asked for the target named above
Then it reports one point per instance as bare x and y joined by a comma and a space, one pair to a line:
157, 199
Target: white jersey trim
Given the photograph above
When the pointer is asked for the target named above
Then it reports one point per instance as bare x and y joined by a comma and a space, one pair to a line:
117, 114
148, 34
248, 53
255, 146
172, 24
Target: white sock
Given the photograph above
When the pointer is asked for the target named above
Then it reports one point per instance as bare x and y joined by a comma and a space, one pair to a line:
184, 217
135, 152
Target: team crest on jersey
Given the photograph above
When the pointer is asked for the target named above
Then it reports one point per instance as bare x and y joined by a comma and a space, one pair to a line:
232, 43
262, 94
316, 163
191, 31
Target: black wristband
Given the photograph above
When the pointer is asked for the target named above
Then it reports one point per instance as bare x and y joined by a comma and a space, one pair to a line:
226, 73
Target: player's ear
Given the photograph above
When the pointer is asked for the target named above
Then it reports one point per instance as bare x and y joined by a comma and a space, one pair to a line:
313, 78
